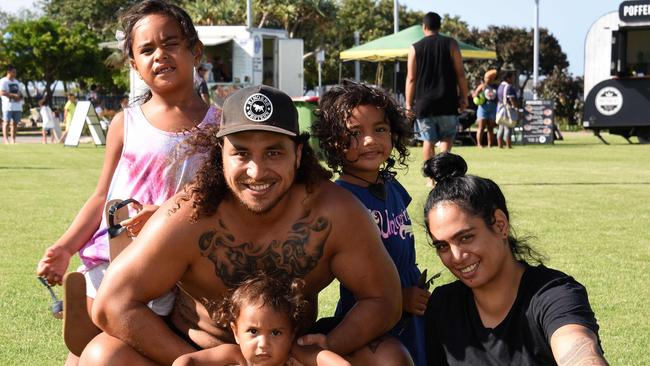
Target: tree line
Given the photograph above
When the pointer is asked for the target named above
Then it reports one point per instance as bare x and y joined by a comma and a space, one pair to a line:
60, 40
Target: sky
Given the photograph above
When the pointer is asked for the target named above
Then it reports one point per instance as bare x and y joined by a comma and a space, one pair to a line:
567, 20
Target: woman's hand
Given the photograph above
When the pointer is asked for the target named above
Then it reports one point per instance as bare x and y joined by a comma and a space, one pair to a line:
479, 88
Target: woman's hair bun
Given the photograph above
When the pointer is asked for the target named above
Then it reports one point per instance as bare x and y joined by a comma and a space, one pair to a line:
443, 166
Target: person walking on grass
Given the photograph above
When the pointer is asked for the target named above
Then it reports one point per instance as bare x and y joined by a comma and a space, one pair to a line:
12, 104
507, 96
436, 87
486, 113
68, 113
50, 122
203, 91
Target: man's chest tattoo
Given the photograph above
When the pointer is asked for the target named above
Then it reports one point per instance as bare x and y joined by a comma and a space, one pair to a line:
296, 254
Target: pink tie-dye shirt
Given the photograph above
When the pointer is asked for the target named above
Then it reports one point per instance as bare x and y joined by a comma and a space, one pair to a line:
144, 172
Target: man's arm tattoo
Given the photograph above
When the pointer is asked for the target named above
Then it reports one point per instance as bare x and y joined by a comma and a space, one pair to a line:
584, 351
374, 344
296, 255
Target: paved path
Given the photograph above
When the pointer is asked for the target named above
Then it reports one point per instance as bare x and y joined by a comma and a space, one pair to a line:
30, 135
29, 139
34, 138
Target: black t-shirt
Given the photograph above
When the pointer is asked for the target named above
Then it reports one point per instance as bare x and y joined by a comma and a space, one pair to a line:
436, 83
203, 88
546, 300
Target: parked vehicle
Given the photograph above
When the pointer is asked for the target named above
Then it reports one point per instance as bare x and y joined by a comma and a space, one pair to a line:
617, 72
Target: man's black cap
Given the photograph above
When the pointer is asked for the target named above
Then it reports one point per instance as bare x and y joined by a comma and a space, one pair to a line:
259, 108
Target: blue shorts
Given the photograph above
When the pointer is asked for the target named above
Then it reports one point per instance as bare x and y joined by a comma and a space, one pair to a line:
487, 111
9, 115
434, 129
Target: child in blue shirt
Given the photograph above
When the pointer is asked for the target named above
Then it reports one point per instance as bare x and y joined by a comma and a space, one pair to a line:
362, 132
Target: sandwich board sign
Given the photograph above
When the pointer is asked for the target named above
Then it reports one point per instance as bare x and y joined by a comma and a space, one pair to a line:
84, 114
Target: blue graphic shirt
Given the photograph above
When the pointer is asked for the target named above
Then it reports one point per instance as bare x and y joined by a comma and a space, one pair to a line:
397, 235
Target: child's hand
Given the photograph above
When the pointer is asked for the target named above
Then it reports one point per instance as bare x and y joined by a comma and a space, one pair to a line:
134, 224
313, 339
54, 264
414, 300
225, 354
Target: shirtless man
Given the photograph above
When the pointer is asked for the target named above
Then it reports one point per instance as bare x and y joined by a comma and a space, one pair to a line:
261, 202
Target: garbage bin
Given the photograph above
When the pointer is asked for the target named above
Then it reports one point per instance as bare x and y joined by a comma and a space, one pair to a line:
306, 116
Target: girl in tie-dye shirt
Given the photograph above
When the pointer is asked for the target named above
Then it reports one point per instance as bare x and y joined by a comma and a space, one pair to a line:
163, 48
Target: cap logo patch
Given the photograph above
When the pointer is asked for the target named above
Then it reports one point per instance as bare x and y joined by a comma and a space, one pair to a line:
258, 107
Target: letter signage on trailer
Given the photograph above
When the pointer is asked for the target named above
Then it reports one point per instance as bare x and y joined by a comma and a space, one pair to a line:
634, 11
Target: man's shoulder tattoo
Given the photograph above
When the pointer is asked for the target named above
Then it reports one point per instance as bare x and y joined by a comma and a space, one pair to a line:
296, 254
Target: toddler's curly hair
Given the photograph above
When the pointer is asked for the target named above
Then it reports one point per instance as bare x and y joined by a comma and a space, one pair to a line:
283, 294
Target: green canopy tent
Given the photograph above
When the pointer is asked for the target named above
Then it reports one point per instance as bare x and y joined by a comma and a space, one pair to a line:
395, 47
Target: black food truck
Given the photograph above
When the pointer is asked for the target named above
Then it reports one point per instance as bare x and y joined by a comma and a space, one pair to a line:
617, 72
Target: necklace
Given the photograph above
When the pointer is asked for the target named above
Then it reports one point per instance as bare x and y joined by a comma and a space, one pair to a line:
375, 188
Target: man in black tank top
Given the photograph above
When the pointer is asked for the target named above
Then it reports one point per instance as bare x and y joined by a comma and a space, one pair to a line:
436, 81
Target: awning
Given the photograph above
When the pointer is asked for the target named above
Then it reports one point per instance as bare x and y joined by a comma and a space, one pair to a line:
396, 47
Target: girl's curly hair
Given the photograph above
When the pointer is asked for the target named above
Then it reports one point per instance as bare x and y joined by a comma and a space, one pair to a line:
335, 108
283, 294
209, 186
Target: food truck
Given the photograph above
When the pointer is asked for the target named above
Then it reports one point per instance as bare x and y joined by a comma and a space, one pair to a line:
239, 56
617, 72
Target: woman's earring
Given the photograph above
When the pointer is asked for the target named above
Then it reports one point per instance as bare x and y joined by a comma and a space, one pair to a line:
504, 231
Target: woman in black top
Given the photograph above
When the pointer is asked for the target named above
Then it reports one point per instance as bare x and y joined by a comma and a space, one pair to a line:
502, 310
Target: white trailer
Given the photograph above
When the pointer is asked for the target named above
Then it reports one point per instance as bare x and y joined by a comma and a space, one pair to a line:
617, 72
247, 56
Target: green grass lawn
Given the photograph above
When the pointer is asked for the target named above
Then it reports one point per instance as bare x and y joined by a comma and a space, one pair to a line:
586, 204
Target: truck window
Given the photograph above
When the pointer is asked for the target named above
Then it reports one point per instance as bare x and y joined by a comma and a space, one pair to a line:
638, 52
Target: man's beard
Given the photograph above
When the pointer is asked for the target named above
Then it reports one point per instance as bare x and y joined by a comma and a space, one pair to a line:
259, 210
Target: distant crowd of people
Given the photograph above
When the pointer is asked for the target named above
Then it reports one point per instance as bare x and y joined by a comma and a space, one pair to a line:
51, 118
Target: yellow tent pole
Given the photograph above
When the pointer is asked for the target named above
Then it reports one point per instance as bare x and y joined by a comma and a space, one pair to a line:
379, 75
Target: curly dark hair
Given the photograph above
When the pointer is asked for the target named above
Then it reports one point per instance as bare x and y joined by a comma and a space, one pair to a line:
335, 108
283, 294
209, 186
477, 196
139, 10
